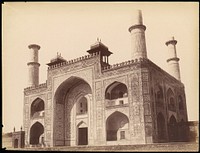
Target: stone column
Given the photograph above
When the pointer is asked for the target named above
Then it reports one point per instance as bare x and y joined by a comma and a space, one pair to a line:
173, 64
33, 65
138, 42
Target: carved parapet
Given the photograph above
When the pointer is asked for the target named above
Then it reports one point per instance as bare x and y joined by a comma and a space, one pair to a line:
43, 85
129, 62
166, 75
73, 61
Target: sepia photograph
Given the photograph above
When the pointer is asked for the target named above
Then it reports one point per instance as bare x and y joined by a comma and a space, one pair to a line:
100, 76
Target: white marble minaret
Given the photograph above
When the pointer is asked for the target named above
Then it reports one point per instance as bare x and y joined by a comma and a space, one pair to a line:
138, 42
173, 64
33, 65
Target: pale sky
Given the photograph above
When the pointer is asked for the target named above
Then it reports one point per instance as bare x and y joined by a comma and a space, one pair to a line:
70, 29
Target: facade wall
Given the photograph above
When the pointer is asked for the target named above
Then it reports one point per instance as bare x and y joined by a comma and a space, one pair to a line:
71, 81
85, 74
160, 80
147, 105
131, 76
28, 120
109, 110
46, 92
86, 70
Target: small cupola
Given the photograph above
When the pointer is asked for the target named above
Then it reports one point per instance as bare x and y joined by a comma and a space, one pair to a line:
58, 59
100, 48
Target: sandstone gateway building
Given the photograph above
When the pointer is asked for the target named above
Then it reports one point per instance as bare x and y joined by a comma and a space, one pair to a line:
87, 101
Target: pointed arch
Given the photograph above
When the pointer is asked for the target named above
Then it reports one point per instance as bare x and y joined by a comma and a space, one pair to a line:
81, 105
82, 124
68, 84
173, 129
171, 100
36, 131
37, 108
116, 126
116, 90
82, 133
170, 92
159, 96
66, 96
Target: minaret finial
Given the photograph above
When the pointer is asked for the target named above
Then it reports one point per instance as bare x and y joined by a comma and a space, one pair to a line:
138, 18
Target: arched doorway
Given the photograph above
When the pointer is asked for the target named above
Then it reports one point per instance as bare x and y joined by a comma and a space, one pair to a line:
16, 143
173, 129
37, 108
171, 100
116, 90
36, 131
159, 97
82, 137
117, 126
116, 94
72, 91
161, 126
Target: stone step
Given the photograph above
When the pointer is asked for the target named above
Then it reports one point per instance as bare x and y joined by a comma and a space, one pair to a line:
143, 147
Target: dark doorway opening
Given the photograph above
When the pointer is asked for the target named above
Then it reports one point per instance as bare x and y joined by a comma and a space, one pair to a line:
173, 129
16, 143
117, 121
161, 128
36, 131
82, 136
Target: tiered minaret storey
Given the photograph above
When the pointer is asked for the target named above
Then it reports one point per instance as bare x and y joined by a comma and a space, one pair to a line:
138, 42
173, 63
33, 65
